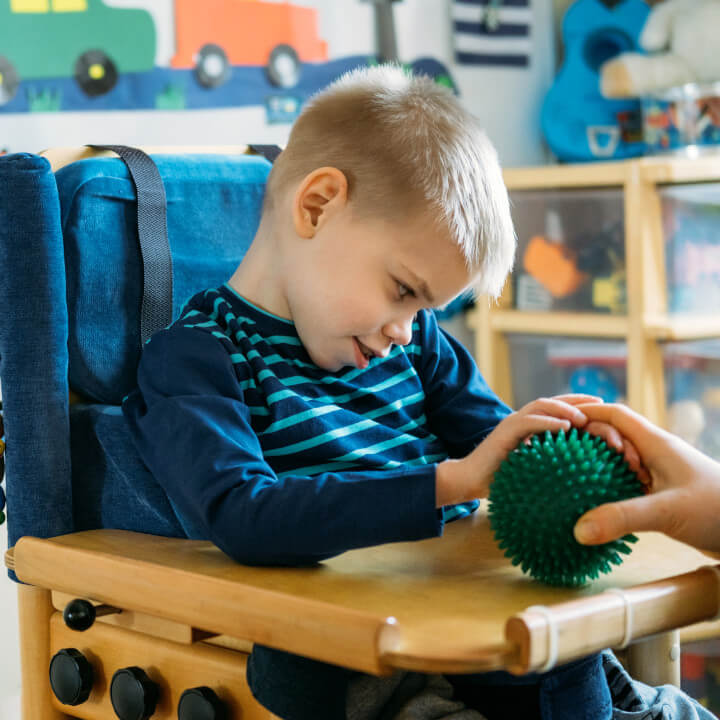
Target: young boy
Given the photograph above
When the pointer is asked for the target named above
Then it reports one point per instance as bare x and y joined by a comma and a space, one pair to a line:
311, 405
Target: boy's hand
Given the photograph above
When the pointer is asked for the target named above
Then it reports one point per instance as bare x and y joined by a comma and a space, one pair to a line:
684, 487
469, 478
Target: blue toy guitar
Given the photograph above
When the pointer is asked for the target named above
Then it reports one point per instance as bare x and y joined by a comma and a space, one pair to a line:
578, 122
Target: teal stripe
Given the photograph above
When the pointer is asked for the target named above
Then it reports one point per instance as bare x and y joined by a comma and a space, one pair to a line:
334, 466
346, 430
321, 439
298, 418
255, 307
377, 447
325, 399
316, 412
423, 460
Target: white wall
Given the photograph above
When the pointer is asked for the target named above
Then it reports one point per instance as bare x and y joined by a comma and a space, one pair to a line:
9, 659
506, 100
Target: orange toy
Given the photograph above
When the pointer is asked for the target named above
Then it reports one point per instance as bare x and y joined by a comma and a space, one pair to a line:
552, 266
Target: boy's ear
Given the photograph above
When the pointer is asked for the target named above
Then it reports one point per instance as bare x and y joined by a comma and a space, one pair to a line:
320, 193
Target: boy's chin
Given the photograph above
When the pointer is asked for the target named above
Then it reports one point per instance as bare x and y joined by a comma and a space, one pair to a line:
326, 363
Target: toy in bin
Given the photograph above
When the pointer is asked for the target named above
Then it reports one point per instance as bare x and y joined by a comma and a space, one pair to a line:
539, 493
683, 120
553, 266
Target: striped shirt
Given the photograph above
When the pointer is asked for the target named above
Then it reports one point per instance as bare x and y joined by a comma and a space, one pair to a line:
278, 461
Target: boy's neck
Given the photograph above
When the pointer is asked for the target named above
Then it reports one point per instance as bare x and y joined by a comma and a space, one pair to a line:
258, 277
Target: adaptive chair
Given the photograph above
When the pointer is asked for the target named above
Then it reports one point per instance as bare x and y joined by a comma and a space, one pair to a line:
123, 611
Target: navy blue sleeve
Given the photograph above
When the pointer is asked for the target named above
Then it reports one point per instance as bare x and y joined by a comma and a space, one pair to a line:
193, 431
460, 406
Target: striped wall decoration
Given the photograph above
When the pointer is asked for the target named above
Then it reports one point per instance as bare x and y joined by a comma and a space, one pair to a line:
492, 32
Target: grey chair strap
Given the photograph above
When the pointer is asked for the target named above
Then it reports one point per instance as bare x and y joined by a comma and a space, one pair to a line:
157, 289
269, 152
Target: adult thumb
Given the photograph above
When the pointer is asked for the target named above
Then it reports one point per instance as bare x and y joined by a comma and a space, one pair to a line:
613, 520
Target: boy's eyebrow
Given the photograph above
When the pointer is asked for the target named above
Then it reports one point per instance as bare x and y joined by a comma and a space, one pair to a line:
419, 283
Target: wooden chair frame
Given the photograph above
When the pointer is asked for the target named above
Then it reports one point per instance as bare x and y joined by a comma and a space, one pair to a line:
189, 615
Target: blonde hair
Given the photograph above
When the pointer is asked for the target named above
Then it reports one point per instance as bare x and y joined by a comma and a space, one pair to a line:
406, 144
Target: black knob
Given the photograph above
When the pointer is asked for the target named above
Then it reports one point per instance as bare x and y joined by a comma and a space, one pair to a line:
133, 694
71, 676
201, 703
79, 615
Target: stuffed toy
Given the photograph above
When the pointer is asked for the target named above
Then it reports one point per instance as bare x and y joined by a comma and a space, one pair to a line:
681, 39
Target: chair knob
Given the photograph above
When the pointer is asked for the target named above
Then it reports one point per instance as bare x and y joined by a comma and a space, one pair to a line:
201, 703
80, 614
133, 694
71, 676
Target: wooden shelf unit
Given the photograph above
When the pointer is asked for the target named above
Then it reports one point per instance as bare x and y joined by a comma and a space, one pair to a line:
647, 323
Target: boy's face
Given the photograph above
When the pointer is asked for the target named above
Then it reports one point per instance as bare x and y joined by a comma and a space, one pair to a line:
357, 285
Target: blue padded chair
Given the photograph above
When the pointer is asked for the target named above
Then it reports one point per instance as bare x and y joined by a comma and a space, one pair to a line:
73, 274
175, 616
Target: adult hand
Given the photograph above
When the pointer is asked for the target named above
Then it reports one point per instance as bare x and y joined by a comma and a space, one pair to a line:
683, 499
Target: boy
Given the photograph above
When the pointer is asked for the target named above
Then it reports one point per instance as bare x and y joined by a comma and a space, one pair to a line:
311, 404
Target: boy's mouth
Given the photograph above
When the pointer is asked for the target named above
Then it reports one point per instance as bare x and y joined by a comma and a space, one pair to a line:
363, 354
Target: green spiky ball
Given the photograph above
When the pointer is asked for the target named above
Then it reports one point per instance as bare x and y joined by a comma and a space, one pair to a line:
539, 493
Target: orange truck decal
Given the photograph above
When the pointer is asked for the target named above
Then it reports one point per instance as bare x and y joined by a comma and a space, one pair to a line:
247, 30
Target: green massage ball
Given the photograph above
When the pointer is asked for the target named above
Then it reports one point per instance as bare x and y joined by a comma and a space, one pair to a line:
541, 490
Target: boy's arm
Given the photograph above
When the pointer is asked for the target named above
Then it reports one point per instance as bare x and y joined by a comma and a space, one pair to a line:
193, 431
460, 406
476, 427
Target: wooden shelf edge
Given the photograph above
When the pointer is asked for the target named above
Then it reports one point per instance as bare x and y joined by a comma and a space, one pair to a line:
571, 324
581, 175
682, 327
674, 169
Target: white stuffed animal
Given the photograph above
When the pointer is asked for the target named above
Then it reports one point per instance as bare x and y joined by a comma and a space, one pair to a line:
682, 37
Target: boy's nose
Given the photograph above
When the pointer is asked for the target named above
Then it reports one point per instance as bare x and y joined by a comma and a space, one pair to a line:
399, 331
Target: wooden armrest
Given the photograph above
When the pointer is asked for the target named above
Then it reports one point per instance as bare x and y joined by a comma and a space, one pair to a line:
61, 156
439, 605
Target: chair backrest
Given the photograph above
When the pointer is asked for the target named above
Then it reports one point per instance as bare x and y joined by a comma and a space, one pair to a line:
71, 288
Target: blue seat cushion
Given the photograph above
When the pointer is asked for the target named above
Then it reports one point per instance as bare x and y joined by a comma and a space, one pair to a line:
214, 206
112, 488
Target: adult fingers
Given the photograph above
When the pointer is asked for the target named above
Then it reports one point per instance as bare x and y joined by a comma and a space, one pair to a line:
613, 520
556, 408
641, 432
607, 432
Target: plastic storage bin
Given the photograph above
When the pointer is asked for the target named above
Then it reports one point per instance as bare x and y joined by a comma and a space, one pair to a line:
683, 119
691, 228
571, 250
692, 382
544, 365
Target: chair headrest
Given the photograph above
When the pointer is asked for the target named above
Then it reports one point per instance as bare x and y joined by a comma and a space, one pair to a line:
214, 206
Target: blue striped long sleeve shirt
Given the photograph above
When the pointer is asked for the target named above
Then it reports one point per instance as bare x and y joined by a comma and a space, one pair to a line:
278, 461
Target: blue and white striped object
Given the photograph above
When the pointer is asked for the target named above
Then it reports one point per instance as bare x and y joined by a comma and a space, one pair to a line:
492, 32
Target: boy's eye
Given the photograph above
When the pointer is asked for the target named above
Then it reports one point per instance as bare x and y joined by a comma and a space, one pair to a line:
404, 290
